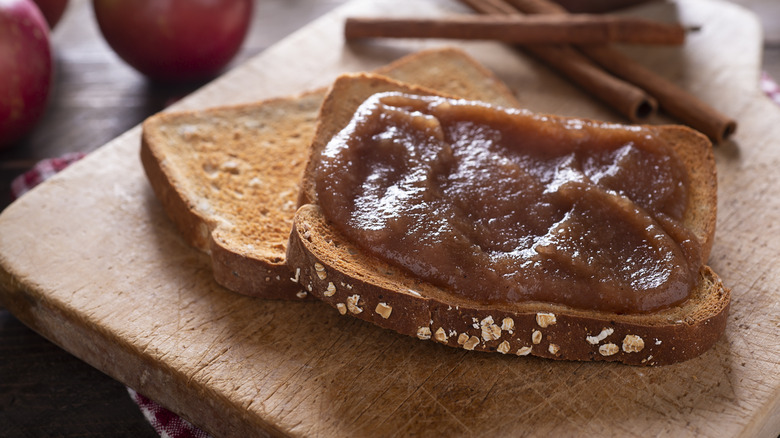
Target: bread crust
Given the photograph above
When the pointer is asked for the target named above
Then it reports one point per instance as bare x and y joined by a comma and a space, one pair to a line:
343, 276
695, 151
191, 226
354, 282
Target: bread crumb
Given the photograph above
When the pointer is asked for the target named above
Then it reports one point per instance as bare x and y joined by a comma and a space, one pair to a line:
524, 351
352, 304
341, 308
633, 344
593, 340
553, 349
331, 290
471, 343
320, 271
545, 319
424, 333
383, 309
536, 337
608, 349
230, 167
508, 324
503, 347
441, 335
297, 275
490, 331
301, 294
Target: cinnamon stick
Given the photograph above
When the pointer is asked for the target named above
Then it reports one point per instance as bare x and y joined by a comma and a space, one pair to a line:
680, 104
557, 28
497, 7
677, 102
627, 99
537, 7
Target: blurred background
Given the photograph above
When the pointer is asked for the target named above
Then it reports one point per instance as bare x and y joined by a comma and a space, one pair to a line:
96, 96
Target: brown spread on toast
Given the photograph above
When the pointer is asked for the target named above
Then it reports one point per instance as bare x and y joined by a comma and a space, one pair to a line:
502, 206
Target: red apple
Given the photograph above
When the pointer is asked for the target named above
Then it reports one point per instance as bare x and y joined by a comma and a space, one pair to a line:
175, 40
52, 10
25, 68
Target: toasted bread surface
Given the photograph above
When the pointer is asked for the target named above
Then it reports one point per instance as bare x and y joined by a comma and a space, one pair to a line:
354, 282
228, 177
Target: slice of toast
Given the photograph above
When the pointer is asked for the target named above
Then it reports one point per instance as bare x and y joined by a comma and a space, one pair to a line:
228, 177
341, 274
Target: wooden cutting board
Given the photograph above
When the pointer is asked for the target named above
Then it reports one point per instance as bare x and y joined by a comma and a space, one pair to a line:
90, 261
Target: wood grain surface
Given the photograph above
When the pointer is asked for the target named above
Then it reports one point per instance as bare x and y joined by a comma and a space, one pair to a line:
105, 276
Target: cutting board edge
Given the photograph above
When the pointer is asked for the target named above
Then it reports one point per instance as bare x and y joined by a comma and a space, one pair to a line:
67, 329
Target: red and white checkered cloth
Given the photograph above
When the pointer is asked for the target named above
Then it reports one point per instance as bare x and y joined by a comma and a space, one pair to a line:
165, 422
42, 171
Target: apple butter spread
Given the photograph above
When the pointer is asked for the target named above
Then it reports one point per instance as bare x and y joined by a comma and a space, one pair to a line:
502, 206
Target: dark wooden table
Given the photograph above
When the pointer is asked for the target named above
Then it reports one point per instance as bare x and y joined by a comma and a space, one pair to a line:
44, 391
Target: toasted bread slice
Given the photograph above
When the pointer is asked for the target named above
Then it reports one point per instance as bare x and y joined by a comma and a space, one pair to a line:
341, 274
229, 176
